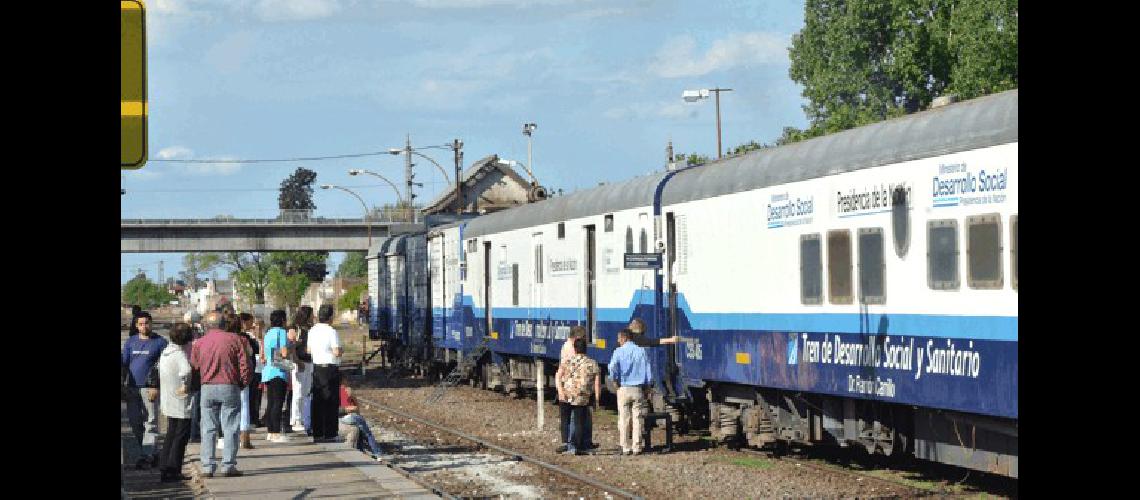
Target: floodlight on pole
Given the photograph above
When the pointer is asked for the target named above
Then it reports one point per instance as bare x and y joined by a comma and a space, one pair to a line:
696, 95
528, 130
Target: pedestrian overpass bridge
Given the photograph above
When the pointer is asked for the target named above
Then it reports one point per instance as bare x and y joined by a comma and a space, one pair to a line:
258, 235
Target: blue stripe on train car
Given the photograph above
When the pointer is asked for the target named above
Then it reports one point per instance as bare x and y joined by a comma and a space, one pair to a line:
952, 362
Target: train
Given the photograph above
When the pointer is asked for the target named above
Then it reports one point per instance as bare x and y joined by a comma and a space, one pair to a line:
857, 290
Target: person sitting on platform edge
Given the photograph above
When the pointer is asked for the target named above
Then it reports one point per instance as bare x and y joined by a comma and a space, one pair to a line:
629, 368
351, 409
580, 371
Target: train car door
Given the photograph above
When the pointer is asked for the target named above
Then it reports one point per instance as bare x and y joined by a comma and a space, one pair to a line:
671, 351
438, 290
534, 310
487, 287
591, 297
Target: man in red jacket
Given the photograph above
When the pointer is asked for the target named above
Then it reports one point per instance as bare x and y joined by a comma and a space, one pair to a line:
222, 358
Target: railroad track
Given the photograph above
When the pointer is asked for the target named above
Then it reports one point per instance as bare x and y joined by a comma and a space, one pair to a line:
514, 455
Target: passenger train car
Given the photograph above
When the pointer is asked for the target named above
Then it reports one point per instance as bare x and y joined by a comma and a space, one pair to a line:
857, 289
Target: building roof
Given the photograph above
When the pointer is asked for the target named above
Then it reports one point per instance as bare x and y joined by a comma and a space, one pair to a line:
476, 172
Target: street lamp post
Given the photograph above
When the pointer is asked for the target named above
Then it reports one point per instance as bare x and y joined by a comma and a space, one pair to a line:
358, 171
696, 95
362, 204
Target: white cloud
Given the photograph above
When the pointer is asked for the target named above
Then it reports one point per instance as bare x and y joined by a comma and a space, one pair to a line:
679, 58
173, 152
471, 4
651, 110
295, 10
194, 169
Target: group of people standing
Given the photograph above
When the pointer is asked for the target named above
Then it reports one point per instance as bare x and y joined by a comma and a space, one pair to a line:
578, 381
206, 381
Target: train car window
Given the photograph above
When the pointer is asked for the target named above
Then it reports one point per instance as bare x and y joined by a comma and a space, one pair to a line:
811, 269
472, 246
609, 223
983, 252
1013, 247
538, 264
644, 241
872, 266
628, 239
942, 254
561, 230
839, 266
514, 284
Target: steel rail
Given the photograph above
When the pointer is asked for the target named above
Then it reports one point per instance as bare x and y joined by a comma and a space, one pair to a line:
511, 453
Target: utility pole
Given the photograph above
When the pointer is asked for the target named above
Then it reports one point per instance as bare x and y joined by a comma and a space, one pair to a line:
456, 146
408, 175
160, 276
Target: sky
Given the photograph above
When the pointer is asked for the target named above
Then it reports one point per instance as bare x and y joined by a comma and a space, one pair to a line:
602, 79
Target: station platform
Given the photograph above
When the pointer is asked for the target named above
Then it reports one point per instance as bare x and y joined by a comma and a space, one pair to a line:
298, 469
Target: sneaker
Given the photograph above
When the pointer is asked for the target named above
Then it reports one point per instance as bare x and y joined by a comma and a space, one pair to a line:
233, 473
570, 452
626, 452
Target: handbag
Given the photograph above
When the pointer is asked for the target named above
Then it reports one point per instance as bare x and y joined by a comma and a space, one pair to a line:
275, 359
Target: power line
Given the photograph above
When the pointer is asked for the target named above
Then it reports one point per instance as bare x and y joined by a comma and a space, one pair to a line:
311, 158
213, 190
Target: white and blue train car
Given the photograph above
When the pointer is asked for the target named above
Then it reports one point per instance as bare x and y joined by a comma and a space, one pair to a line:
857, 289
452, 333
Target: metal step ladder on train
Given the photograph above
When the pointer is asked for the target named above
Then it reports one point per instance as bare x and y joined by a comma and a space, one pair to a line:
461, 370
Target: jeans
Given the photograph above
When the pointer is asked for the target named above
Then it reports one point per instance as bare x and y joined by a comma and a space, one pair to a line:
195, 416
275, 395
174, 445
360, 423
578, 418
143, 416
245, 427
631, 409
221, 409
302, 380
307, 414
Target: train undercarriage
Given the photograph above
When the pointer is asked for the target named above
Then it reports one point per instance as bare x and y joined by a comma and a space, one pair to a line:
766, 418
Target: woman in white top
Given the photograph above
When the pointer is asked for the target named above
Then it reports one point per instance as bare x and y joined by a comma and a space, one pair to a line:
303, 373
174, 391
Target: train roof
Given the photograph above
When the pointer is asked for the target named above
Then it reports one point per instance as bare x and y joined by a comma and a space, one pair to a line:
977, 123
392, 245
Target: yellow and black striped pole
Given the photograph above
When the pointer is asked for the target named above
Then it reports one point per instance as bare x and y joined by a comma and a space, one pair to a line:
132, 81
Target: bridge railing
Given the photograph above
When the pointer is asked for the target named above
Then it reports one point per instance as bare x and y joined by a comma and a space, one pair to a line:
381, 218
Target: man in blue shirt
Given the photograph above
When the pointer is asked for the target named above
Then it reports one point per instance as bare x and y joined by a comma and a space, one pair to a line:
140, 355
629, 368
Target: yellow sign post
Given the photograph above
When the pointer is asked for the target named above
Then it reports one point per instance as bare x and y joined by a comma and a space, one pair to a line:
132, 82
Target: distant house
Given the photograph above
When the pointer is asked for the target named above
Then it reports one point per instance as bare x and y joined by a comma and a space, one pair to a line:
488, 185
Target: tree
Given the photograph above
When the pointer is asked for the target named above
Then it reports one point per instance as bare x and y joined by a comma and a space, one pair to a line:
311, 264
288, 288
250, 272
194, 264
861, 62
351, 297
140, 290
691, 159
297, 190
353, 266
